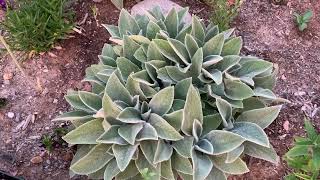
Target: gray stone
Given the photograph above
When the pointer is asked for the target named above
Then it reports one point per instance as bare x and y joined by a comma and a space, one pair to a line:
165, 5
10, 115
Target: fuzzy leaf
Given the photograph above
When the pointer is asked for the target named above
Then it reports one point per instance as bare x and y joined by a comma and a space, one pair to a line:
227, 62
197, 29
142, 164
204, 146
130, 115
237, 90
129, 172
165, 48
163, 152
75, 101
127, 23
123, 154
236, 167
86, 133
180, 50
223, 141
216, 174
262, 117
171, 22
214, 45
161, 102
129, 132
112, 170
149, 149
181, 164
225, 111
191, 45
183, 146
91, 100
126, 67
110, 109
147, 133
192, 110
116, 90
261, 152
175, 119
253, 67
181, 89
234, 154
232, 47
201, 165
112, 136
152, 30
211, 122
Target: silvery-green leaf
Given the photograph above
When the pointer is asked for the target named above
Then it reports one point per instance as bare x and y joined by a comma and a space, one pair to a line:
127, 23
91, 100
227, 33
253, 67
227, 62
163, 128
213, 74
182, 13
153, 52
149, 149
147, 133
237, 90
97, 158
178, 104
112, 137
143, 77
251, 132
75, 101
156, 12
263, 117
162, 101
113, 30
111, 110
252, 103
185, 176
142, 163
106, 60
129, 132
148, 91
181, 88
213, 31
134, 88
165, 48
129, 172
267, 81
261, 152
223, 141
182, 34
204, 146
196, 129
181, 164
180, 49
211, 122
112, 170
118, 3
236, 167
72, 115
175, 119
153, 66
123, 154
232, 47
98, 174
183, 146
196, 64
216, 174
116, 90
171, 22
166, 170
225, 111
82, 150
201, 165
130, 115
192, 110
191, 45
86, 133
211, 60
234, 154
163, 152
126, 67
140, 39
197, 29
107, 50
176, 73
213, 46
265, 93
152, 30
129, 48
140, 55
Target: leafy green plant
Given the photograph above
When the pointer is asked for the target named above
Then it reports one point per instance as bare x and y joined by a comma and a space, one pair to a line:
223, 12
118, 3
3, 102
303, 20
37, 25
304, 156
47, 142
175, 98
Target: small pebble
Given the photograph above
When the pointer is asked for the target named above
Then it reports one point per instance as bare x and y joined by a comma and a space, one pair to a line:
7, 76
6, 82
10, 115
47, 128
55, 101
36, 160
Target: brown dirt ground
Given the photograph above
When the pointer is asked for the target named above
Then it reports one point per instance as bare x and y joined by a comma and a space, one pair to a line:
268, 31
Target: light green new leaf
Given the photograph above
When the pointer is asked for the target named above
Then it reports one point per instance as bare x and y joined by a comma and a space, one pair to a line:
262, 117
86, 133
223, 141
112, 136
236, 167
127, 24
98, 157
181, 164
232, 47
123, 154
129, 132
214, 45
184, 146
91, 100
163, 152
161, 102
112, 170
237, 90
192, 110
234, 154
251, 132
171, 22
201, 165
261, 152
163, 128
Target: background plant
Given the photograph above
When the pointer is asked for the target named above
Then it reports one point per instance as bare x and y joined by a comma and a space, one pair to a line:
37, 25
303, 19
223, 12
304, 156
173, 97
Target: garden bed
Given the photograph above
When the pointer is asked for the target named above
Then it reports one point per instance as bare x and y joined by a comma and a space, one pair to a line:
268, 31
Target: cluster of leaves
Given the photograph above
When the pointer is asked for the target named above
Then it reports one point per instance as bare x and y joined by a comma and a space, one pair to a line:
303, 20
174, 98
36, 25
223, 12
304, 156
49, 141
118, 3
3, 102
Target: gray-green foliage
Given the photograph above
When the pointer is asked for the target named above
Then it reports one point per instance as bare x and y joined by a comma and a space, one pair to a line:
174, 98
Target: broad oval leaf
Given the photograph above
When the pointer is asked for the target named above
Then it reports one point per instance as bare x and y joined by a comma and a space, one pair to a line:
111, 170
201, 165
237, 90
261, 152
123, 154
129, 132
162, 101
181, 164
236, 167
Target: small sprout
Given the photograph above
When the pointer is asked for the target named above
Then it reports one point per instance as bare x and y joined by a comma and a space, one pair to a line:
146, 174
47, 142
3, 102
303, 20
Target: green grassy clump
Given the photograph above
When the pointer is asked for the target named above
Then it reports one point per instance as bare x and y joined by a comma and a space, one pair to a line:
37, 25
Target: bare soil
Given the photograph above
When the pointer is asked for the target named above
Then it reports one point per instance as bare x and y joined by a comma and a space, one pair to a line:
268, 31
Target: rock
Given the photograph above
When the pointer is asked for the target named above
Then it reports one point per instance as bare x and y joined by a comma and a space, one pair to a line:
6, 82
7, 76
10, 115
55, 101
165, 5
36, 160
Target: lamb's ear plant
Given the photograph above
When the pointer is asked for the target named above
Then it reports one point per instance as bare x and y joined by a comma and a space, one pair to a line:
174, 98
304, 156
302, 20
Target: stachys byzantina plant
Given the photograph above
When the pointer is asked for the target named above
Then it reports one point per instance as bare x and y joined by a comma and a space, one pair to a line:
172, 98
